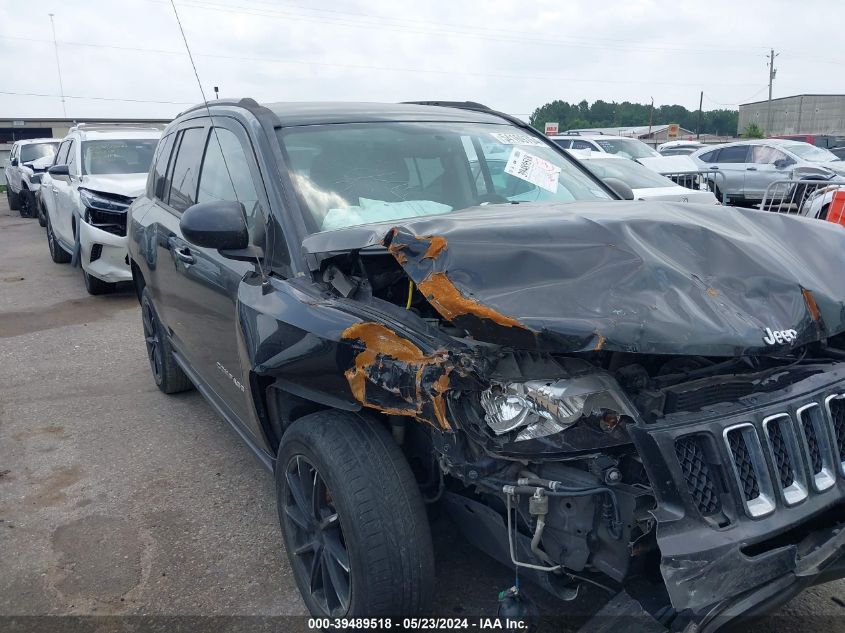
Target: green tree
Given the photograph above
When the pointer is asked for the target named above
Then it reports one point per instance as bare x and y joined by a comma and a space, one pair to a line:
752, 130
627, 114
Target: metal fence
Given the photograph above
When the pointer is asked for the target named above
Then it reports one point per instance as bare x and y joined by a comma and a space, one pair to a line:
789, 196
700, 180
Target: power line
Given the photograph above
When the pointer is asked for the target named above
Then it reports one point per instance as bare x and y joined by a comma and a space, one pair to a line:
466, 32
434, 71
89, 98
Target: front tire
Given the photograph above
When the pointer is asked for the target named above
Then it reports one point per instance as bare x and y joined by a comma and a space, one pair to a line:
42, 214
13, 199
25, 203
96, 286
353, 520
167, 374
57, 253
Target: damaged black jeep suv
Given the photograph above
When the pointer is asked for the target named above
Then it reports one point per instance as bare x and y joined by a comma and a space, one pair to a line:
396, 305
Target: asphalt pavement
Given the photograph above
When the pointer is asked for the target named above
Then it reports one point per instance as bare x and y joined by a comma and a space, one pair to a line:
117, 500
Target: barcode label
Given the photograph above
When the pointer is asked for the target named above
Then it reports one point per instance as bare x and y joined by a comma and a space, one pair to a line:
533, 169
516, 138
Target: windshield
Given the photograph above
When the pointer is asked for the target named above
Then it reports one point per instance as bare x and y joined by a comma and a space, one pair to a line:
130, 156
632, 174
627, 147
811, 153
35, 151
352, 174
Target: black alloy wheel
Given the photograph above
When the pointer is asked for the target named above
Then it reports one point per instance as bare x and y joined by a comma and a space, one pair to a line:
319, 544
152, 340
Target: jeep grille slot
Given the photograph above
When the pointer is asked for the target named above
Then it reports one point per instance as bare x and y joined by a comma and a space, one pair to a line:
836, 409
817, 446
785, 451
697, 474
750, 469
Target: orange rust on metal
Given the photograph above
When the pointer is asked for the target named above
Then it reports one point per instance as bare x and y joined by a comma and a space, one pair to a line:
600, 343
449, 302
712, 292
812, 306
436, 246
396, 251
380, 340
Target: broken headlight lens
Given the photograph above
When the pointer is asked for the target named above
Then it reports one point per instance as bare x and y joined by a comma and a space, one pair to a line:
538, 408
103, 202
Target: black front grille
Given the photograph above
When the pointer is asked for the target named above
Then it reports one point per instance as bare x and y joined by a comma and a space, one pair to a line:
744, 465
697, 475
837, 415
781, 454
812, 441
110, 221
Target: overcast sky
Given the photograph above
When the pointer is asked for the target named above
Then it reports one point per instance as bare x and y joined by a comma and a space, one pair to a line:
514, 56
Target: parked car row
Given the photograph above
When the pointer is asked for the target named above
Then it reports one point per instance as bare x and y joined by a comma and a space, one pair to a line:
397, 305
82, 195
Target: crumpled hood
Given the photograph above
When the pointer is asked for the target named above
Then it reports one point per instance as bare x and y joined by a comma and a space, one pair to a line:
129, 185
650, 277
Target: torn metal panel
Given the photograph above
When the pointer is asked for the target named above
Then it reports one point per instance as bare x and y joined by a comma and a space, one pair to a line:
664, 278
393, 375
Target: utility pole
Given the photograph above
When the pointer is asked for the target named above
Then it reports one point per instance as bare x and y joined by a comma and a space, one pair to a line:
772, 72
58, 65
700, 105
650, 113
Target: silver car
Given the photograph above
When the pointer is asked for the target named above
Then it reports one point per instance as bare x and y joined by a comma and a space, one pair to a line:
749, 167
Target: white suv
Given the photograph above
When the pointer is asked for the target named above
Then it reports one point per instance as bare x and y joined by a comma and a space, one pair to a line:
99, 171
626, 147
20, 190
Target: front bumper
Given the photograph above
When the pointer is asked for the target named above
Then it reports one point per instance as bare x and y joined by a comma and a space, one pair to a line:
751, 494
103, 255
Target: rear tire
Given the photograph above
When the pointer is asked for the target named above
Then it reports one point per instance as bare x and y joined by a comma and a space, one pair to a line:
167, 374
57, 253
12, 198
96, 286
353, 520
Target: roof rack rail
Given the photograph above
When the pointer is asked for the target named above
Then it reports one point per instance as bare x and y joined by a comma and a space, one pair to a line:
90, 127
464, 105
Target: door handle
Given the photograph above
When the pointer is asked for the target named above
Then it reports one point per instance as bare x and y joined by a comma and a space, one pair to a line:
750, 169
714, 167
183, 254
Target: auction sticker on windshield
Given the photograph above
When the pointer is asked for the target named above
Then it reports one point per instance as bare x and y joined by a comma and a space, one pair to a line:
533, 169
516, 138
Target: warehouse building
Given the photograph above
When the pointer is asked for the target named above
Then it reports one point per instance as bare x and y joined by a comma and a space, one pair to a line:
12, 130
799, 114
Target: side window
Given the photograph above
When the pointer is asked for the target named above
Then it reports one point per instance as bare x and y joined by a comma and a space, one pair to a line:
72, 163
61, 156
765, 155
709, 157
226, 175
734, 154
159, 170
183, 179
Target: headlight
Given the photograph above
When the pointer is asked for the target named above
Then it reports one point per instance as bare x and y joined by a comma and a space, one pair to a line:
538, 408
101, 202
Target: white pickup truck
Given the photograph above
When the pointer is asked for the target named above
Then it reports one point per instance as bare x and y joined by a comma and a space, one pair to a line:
19, 171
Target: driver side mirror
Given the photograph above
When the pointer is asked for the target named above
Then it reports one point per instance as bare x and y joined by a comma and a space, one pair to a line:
219, 224
14, 162
782, 163
620, 188
59, 170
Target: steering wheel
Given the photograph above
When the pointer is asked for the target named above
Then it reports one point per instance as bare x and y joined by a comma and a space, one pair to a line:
493, 198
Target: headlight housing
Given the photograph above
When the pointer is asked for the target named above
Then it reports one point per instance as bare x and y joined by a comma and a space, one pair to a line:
102, 202
538, 408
